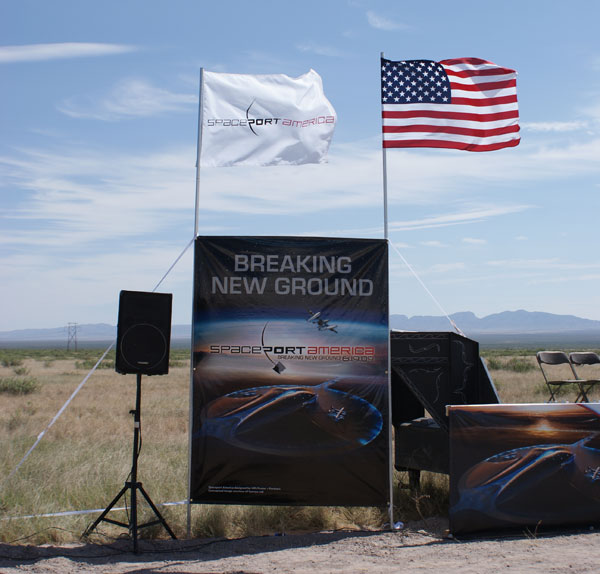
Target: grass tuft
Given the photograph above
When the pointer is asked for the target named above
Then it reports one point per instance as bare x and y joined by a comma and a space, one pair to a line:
10, 360
18, 385
21, 371
89, 364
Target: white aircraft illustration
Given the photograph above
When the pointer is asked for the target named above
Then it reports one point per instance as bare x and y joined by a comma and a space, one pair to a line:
313, 316
322, 324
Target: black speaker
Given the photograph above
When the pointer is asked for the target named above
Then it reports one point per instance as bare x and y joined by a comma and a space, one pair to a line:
143, 333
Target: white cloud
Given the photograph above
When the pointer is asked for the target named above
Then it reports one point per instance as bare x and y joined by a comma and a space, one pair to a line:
320, 50
474, 241
83, 197
87, 195
84, 286
433, 243
351, 179
427, 176
446, 267
382, 23
458, 218
554, 126
96, 215
564, 279
593, 111
64, 50
524, 263
546, 264
130, 98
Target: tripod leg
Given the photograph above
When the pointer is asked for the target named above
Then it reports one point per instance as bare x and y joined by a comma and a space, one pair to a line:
133, 525
90, 529
156, 512
133, 485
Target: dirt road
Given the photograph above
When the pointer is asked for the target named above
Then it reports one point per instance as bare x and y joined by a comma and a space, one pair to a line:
410, 550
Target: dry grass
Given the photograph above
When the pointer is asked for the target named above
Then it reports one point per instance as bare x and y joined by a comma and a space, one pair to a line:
518, 378
85, 458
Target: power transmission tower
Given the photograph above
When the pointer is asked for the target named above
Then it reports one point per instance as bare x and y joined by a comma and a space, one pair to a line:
72, 336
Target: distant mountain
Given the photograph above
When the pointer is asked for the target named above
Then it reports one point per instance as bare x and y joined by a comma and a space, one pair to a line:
514, 322
85, 332
96, 332
508, 326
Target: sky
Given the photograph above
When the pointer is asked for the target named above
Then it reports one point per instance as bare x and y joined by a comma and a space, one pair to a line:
98, 135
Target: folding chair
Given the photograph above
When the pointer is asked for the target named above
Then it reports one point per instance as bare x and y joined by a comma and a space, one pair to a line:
553, 360
580, 359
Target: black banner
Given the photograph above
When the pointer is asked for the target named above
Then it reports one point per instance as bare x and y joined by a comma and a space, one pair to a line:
530, 465
290, 388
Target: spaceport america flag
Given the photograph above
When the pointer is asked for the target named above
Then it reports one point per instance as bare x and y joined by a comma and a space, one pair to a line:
264, 120
463, 103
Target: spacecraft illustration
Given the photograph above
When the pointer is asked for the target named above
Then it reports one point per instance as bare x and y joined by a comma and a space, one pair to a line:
292, 420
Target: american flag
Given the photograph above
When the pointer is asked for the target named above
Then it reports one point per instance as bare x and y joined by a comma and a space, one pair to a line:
464, 103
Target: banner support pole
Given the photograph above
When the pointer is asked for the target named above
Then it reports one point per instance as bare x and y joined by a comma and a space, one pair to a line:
196, 226
390, 425
389, 365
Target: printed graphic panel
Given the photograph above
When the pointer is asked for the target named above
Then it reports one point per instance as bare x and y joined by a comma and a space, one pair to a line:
290, 395
536, 465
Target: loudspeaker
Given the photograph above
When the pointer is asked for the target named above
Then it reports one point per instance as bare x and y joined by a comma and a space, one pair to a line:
143, 333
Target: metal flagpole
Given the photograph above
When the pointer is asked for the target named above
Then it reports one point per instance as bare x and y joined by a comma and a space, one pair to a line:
199, 149
385, 206
389, 365
191, 394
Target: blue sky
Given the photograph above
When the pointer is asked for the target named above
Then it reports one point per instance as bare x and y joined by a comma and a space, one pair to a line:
98, 129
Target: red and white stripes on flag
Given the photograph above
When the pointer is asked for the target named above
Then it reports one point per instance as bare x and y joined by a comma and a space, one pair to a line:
463, 103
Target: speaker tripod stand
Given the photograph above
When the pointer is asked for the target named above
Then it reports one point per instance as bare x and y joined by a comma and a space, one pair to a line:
133, 487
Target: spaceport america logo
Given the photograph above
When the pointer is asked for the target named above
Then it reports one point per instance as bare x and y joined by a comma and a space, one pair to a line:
300, 352
257, 124
334, 351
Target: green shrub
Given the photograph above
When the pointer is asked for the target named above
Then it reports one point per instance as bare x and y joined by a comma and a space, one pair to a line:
18, 385
519, 365
514, 364
88, 364
10, 361
493, 364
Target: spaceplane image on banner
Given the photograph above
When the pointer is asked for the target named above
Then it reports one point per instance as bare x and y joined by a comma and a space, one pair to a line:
290, 385
533, 465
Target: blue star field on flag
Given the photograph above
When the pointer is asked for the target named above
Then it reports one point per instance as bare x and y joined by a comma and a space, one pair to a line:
414, 81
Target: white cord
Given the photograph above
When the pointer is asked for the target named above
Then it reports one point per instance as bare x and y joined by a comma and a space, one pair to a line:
427, 290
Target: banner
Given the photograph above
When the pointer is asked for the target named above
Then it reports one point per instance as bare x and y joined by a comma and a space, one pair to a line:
290, 385
524, 465
264, 120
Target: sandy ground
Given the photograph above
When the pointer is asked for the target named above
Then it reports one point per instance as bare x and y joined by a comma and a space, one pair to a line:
412, 549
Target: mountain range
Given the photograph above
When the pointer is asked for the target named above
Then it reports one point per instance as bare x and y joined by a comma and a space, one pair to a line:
508, 327
516, 322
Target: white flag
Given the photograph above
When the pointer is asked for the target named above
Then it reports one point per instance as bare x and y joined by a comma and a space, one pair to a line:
264, 120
